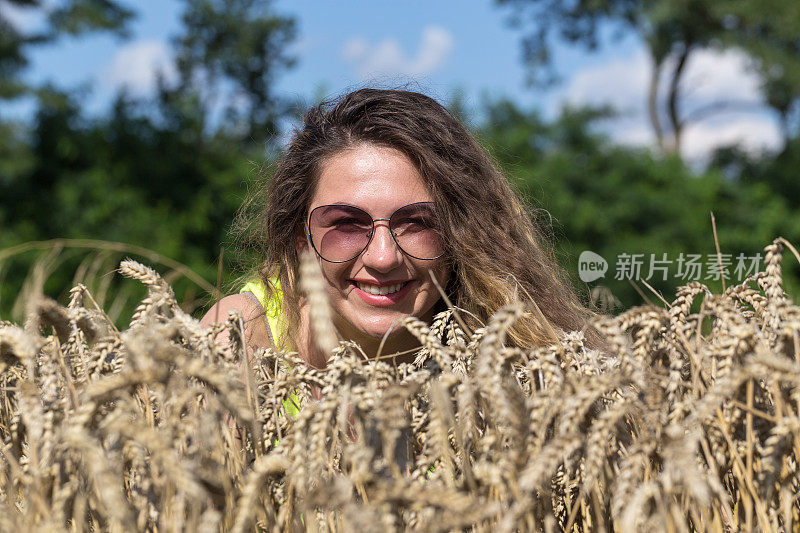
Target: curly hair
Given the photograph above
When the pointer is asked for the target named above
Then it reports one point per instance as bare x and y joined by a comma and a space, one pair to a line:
498, 255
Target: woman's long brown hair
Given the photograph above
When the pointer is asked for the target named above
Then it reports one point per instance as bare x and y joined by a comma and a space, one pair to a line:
498, 254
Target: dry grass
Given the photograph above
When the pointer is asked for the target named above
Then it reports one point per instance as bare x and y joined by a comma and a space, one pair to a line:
688, 422
98, 260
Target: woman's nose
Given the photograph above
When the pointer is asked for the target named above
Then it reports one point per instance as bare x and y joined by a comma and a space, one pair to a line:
382, 252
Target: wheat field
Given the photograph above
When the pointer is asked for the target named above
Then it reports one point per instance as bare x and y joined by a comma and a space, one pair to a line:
687, 421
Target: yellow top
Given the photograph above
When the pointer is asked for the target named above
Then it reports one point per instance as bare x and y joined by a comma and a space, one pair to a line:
272, 310
271, 306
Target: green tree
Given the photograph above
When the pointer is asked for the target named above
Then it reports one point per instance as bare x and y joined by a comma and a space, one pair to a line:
672, 31
228, 56
770, 33
617, 200
166, 173
69, 17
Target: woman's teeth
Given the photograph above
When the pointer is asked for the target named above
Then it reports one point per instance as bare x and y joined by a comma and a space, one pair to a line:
374, 289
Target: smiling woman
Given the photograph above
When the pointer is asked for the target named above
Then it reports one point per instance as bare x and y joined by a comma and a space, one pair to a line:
390, 191
373, 280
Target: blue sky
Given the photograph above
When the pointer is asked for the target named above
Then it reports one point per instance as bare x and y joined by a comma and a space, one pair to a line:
437, 47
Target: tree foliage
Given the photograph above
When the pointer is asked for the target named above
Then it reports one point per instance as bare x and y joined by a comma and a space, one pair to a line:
165, 172
672, 31
228, 54
68, 17
616, 200
168, 172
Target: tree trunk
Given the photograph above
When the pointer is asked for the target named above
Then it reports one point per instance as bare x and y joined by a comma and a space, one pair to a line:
652, 102
674, 94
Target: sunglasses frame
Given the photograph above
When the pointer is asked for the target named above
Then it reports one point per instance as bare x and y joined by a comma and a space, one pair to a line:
371, 233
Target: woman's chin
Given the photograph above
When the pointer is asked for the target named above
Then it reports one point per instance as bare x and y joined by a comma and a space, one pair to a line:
379, 332
371, 331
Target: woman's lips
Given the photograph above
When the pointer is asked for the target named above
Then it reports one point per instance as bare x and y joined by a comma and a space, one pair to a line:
383, 300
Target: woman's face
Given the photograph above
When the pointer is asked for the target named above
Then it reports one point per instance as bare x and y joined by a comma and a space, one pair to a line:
378, 180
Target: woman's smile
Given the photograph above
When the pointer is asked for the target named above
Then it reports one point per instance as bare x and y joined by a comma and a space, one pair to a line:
384, 294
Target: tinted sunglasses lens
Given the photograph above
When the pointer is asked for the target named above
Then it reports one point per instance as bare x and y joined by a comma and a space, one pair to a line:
339, 232
416, 231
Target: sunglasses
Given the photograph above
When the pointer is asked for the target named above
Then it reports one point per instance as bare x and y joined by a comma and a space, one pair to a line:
340, 233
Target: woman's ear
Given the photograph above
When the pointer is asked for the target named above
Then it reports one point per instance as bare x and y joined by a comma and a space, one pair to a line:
301, 243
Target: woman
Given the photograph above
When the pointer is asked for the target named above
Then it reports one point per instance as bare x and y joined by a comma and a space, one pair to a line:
390, 191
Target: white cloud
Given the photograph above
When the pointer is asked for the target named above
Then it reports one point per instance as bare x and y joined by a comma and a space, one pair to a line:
621, 82
633, 131
724, 75
753, 132
24, 19
137, 66
387, 57
710, 77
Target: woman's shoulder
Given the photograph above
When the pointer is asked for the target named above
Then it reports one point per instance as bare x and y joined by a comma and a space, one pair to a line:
255, 326
234, 302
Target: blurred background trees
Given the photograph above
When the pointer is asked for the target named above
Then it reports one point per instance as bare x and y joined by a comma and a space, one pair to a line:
612, 199
168, 172
674, 30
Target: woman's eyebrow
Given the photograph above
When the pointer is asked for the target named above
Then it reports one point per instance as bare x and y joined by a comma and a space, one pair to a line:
335, 205
338, 204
